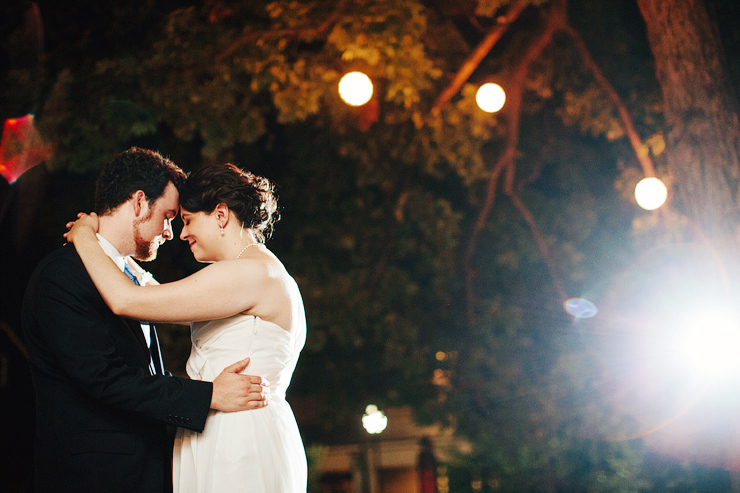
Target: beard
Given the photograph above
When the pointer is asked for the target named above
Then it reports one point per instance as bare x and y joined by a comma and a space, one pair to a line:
145, 250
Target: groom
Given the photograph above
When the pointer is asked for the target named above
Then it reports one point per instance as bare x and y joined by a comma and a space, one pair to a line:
103, 399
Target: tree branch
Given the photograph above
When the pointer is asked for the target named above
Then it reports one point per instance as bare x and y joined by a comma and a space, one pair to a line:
507, 161
634, 138
248, 36
533, 177
467, 68
541, 244
468, 257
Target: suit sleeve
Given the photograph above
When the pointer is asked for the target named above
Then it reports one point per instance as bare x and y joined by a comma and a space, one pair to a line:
77, 328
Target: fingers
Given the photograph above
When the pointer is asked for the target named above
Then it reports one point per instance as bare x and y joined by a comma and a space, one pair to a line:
255, 380
258, 399
236, 392
251, 405
258, 390
81, 215
238, 366
257, 394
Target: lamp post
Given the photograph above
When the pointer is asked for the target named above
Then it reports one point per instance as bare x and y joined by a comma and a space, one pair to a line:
374, 421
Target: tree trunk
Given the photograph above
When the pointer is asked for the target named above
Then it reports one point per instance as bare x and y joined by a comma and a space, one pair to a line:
701, 110
703, 151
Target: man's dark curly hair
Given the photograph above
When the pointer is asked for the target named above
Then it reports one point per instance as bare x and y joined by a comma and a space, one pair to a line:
250, 197
132, 170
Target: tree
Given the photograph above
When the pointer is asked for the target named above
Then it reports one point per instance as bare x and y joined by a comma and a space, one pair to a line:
701, 110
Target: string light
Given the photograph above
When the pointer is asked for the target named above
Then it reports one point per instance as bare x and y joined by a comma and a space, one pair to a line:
355, 88
490, 97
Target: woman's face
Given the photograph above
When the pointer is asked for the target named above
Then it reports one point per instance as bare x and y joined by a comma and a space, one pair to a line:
199, 230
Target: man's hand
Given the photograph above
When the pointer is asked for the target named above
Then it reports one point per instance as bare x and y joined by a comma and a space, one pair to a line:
235, 392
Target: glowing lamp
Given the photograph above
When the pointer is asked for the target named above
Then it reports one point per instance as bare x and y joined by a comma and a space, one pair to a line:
650, 193
355, 88
490, 97
374, 420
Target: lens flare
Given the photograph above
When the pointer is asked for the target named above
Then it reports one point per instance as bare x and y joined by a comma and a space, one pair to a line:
709, 344
580, 308
21, 147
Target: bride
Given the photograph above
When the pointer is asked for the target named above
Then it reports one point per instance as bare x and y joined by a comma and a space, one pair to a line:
244, 304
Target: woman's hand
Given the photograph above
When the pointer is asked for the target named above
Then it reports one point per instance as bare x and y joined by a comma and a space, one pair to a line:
86, 224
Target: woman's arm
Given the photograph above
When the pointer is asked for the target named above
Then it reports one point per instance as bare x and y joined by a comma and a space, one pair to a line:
219, 290
145, 278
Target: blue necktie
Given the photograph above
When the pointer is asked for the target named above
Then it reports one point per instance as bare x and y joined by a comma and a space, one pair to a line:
127, 270
154, 353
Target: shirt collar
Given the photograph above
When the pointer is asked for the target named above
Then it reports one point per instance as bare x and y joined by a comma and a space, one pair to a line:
112, 252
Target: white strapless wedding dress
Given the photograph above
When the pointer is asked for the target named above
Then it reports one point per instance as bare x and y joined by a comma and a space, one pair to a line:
249, 451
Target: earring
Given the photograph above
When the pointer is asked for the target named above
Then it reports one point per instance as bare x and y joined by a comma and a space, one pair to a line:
222, 230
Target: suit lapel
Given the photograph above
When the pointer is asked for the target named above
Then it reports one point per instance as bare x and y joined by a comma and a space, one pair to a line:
135, 327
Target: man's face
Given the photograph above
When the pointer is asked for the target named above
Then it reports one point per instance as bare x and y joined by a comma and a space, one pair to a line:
155, 227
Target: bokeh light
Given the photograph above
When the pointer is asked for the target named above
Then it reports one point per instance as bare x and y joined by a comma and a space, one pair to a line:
355, 88
650, 193
374, 420
490, 97
580, 308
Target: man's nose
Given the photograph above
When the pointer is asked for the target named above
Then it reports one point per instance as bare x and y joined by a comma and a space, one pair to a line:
167, 233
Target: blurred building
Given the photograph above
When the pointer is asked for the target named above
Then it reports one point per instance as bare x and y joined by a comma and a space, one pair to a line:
404, 458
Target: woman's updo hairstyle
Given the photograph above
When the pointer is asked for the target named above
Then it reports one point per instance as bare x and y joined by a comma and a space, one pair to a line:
249, 196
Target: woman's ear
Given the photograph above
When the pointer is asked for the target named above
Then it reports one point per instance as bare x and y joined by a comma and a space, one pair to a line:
222, 214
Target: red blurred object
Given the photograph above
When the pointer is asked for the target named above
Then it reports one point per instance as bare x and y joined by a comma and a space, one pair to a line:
21, 147
369, 113
427, 465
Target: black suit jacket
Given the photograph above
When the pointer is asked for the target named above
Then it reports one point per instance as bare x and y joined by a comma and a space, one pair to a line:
100, 416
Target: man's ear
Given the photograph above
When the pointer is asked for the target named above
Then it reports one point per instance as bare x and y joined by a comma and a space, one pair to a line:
140, 202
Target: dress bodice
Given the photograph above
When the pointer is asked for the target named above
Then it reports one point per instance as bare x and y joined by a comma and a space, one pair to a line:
273, 351
255, 451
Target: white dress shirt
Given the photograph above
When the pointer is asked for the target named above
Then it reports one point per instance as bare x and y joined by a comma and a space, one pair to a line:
120, 262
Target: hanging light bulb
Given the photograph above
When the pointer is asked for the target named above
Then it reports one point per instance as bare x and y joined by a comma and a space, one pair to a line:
490, 97
355, 88
650, 193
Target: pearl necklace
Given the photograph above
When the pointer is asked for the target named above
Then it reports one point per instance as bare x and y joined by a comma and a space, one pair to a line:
245, 249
